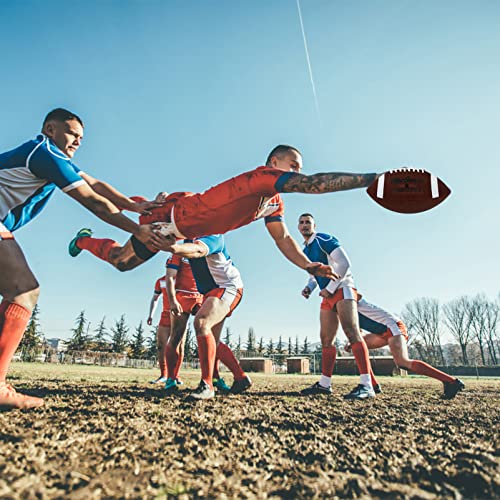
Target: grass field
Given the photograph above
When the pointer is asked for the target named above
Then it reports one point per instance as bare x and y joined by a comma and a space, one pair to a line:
108, 433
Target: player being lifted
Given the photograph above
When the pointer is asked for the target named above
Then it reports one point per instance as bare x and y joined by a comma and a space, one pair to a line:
29, 174
230, 205
338, 306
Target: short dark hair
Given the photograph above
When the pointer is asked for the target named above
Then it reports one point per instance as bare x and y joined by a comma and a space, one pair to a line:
280, 150
306, 215
61, 115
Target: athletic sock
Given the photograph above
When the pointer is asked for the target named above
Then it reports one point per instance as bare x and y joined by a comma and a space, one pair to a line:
13, 321
227, 357
372, 377
216, 369
206, 353
328, 357
422, 368
100, 247
180, 359
325, 381
360, 352
171, 359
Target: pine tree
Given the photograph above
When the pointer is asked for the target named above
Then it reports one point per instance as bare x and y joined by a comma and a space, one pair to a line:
191, 345
152, 346
290, 346
305, 347
250, 347
260, 347
227, 337
237, 349
297, 348
32, 338
119, 338
270, 347
279, 346
100, 336
79, 339
137, 350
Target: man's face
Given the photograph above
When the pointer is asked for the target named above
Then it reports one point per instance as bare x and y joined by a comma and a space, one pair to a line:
67, 136
289, 161
307, 227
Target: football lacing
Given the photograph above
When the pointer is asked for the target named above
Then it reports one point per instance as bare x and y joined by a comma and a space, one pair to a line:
407, 169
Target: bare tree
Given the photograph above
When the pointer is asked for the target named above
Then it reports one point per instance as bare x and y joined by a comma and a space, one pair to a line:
492, 315
422, 319
478, 307
458, 319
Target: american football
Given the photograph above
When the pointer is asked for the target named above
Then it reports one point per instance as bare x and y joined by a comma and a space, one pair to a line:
408, 190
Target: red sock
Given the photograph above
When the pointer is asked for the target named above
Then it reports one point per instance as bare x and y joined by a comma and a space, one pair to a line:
13, 320
206, 353
360, 352
180, 359
372, 376
171, 358
424, 369
216, 368
328, 357
99, 247
227, 357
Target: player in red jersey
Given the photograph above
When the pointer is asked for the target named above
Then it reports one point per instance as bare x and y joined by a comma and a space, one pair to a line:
230, 205
180, 300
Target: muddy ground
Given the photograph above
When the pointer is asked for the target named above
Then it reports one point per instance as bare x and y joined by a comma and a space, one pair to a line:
107, 439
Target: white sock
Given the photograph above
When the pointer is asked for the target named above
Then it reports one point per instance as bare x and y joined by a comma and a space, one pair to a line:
325, 381
365, 379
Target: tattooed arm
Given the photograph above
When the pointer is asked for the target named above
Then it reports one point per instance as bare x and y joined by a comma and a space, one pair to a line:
326, 183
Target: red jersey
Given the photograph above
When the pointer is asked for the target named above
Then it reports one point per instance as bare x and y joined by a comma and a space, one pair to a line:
184, 280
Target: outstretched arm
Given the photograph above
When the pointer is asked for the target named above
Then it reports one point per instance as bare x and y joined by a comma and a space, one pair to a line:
326, 183
152, 307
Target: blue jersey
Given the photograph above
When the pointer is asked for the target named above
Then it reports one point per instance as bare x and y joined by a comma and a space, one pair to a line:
318, 248
29, 175
216, 269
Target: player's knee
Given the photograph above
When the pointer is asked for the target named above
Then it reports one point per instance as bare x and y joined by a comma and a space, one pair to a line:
201, 325
352, 334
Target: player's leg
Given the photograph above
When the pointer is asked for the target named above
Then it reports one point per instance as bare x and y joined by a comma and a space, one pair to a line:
348, 316
241, 381
399, 351
19, 289
374, 341
174, 344
162, 334
328, 330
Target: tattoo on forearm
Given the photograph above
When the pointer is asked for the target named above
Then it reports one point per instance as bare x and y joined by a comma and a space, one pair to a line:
326, 183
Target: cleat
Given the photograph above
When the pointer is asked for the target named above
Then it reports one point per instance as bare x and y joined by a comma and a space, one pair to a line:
315, 389
203, 391
179, 381
171, 385
221, 386
451, 389
377, 389
159, 380
241, 385
10, 399
72, 248
360, 392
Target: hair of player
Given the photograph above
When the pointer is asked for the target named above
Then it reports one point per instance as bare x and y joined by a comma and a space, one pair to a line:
61, 115
279, 151
306, 215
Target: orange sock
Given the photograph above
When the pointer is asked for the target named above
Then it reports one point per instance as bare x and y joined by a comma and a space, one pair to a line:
206, 353
328, 357
424, 369
227, 357
180, 359
100, 247
360, 352
13, 321
216, 368
171, 361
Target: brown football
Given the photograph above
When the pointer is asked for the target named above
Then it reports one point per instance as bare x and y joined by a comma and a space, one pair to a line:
408, 190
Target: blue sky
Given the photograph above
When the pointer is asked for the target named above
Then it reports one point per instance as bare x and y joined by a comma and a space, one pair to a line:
178, 96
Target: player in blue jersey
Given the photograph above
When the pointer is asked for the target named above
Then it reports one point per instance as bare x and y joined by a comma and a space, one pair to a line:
29, 174
339, 305
218, 279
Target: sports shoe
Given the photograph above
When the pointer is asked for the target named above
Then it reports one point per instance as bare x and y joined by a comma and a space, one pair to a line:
10, 399
221, 386
377, 389
315, 389
171, 385
159, 380
451, 389
203, 391
241, 385
179, 381
72, 248
360, 392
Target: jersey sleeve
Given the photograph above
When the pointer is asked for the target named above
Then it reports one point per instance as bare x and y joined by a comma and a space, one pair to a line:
215, 243
47, 163
157, 287
174, 262
279, 214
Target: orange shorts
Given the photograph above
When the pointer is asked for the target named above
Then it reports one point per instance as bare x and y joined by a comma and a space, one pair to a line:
5, 234
340, 294
190, 303
403, 331
230, 296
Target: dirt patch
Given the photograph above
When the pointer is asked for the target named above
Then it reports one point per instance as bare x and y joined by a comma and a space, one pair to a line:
101, 440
